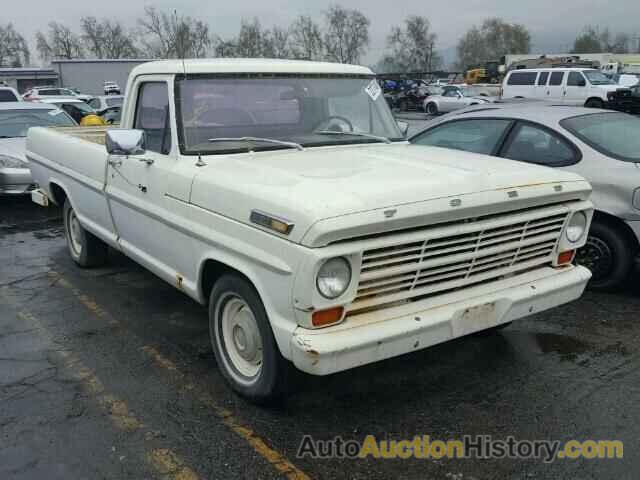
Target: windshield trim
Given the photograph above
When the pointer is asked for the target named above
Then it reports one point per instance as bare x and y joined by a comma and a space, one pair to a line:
254, 75
597, 147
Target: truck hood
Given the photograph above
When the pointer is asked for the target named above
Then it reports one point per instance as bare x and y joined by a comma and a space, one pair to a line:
305, 187
14, 147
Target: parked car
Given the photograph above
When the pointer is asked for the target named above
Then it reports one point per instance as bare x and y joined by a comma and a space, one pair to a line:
111, 88
414, 98
40, 93
103, 103
627, 80
82, 96
285, 197
8, 94
76, 108
455, 97
15, 120
572, 86
600, 145
635, 94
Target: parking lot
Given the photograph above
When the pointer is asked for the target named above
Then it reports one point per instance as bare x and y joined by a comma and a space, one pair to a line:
108, 373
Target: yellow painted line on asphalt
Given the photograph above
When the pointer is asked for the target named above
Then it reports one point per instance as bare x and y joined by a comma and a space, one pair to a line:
275, 458
164, 461
260, 446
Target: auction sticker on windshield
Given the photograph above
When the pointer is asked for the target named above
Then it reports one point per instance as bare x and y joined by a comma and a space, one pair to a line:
373, 90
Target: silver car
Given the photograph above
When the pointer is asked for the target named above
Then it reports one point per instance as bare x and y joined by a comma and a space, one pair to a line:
456, 97
15, 119
603, 146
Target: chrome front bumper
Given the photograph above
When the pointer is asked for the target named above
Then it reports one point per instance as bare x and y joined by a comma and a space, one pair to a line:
15, 181
370, 337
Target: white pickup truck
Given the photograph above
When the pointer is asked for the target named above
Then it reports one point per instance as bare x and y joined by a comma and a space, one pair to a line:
283, 195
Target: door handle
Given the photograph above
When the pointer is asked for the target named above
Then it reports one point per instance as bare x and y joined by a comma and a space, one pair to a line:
115, 163
148, 161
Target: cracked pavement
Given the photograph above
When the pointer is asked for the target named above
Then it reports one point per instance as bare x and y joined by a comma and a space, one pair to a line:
108, 373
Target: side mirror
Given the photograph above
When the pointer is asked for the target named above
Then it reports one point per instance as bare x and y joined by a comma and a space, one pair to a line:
403, 126
125, 142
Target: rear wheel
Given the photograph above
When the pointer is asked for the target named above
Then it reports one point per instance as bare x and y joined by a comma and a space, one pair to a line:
86, 249
403, 105
243, 342
609, 255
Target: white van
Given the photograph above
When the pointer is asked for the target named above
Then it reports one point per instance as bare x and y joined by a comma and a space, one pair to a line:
571, 86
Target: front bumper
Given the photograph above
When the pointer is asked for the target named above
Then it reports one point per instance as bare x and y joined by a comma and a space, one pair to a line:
387, 333
15, 181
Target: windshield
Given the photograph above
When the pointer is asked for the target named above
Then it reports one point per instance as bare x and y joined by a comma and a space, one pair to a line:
15, 123
597, 78
290, 108
616, 135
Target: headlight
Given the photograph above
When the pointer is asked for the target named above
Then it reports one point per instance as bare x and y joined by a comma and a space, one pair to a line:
11, 162
577, 227
333, 277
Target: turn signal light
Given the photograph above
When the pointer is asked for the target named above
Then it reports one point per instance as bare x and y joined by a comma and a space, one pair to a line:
566, 257
322, 318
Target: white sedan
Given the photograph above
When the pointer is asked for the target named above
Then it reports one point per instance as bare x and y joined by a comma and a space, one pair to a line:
455, 97
603, 146
15, 120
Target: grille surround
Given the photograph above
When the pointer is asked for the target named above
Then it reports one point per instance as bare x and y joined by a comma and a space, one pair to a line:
436, 260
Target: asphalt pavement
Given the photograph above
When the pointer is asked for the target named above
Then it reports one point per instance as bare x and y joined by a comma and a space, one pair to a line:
108, 374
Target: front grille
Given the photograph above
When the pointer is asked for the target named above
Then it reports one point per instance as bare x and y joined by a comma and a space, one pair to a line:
459, 255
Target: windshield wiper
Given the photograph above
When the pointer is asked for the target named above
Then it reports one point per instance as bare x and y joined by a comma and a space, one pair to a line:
297, 146
354, 134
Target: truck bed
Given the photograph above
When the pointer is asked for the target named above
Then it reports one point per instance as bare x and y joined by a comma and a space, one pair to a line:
90, 134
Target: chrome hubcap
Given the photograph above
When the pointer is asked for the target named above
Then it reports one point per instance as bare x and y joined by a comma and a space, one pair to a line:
75, 233
597, 256
241, 337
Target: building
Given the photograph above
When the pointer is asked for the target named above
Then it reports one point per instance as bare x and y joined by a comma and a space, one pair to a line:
22, 79
601, 58
89, 75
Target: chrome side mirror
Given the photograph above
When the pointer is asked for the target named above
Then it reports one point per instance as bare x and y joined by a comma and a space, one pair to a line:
125, 142
403, 126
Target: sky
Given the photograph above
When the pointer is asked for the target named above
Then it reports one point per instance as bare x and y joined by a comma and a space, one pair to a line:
553, 24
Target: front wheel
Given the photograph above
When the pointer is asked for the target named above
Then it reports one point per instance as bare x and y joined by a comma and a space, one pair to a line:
608, 254
86, 249
431, 108
243, 342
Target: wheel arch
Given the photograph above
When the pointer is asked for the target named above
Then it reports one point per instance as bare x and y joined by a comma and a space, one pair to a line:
58, 193
618, 224
595, 99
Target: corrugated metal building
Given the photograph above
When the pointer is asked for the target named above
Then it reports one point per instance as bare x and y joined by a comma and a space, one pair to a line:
89, 75
22, 79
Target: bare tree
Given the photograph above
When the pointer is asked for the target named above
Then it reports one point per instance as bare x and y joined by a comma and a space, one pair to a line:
251, 39
59, 42
173, 36
14, 51
592, 39
306, 39
347, 34
492, 40
413, 47
276, 43
107, 39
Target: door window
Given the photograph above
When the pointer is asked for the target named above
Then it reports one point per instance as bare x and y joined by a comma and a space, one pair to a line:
576, 80
476, 135
538, 145
556, 79
152, 116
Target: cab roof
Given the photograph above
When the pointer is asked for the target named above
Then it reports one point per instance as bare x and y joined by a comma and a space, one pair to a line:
247, 65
